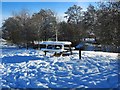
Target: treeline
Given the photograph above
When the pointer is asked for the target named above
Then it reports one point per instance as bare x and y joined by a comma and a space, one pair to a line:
101, 22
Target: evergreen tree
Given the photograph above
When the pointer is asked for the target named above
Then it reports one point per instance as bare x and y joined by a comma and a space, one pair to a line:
107, 23
89, 20
44, 21
74, 18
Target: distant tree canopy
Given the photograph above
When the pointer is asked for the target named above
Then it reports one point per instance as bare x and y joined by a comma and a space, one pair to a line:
23, 29
108, 23
103, 21
74, 14
17, 28
44, 22
89, 20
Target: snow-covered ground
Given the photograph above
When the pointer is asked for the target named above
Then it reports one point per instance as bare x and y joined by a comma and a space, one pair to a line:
21, 68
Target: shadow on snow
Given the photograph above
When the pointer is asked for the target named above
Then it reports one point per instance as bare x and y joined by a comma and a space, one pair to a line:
19, 59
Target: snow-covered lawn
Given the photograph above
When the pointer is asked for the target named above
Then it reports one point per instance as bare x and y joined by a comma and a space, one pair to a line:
21, 68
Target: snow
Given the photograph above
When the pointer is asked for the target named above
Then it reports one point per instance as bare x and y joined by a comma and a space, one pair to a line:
89, 39
53, 50
5, 44
55, 42
21, 68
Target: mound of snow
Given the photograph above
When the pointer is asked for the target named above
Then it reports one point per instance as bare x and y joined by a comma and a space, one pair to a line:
31, 69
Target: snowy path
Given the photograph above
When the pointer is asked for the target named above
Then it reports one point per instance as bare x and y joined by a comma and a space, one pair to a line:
31, 69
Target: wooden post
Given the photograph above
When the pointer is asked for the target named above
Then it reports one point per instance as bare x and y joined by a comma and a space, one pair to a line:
70, 49
45, 53
79, 53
